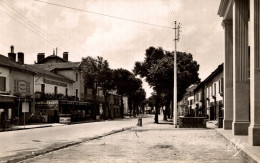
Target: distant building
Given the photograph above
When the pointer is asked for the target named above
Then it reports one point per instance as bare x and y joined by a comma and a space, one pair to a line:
209, 95
186, 105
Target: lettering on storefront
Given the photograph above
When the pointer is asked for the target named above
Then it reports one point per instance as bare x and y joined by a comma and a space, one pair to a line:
54, 83
21, 86
48, 102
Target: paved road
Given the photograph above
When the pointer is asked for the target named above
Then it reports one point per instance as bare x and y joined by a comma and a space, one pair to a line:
17, 144
150, 143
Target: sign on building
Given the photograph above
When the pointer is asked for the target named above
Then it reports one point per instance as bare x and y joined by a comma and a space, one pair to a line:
25, 107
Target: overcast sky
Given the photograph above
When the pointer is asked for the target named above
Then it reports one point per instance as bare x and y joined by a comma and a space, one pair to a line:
34, 27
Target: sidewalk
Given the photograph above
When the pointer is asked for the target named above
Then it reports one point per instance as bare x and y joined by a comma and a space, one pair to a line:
43, 125
252, 153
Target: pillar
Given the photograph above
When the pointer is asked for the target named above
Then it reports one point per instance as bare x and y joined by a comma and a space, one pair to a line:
254, 128
228, 75
240, 68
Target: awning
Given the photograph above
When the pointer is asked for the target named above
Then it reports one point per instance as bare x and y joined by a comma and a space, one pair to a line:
7, 98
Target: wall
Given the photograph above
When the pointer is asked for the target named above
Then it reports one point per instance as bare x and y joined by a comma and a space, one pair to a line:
71, 74
49, 88
4, 72
21, 82
208, 90
125, 101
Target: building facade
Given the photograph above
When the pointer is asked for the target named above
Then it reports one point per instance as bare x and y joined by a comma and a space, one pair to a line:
242, 67
186, 106
16, 88
209, 95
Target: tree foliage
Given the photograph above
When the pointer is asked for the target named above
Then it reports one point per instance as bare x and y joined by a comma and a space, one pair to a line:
96, 73
127, 84
157, 69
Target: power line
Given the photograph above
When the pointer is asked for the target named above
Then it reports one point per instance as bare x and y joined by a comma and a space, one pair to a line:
110, 16
29, 27
33, 25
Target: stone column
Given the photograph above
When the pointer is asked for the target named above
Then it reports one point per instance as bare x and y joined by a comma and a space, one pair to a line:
254, 128
240, 68
228, 75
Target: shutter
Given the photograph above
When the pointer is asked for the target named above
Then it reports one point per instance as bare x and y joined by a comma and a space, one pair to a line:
15, 86
2, 84
27, 87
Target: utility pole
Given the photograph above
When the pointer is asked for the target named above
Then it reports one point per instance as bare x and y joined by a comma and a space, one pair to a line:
177, 37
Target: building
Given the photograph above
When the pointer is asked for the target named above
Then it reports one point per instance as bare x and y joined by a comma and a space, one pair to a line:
241, 67
191, 100
16, 88
59, 88
209, 95
186, 105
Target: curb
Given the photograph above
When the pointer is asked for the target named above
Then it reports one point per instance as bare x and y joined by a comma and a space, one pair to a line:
247, 158
18, 158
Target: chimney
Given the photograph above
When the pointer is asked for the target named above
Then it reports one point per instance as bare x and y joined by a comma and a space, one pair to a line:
12, 55
66, 56
20, 57
12, 49
40, 57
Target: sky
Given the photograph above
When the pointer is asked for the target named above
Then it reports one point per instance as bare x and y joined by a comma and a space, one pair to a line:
34, 27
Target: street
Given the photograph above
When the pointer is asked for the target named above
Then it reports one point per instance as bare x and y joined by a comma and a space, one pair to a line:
23, 143
150, 143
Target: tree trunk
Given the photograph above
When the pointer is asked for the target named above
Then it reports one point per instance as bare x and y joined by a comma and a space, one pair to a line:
165, 114
122, 107
156, 115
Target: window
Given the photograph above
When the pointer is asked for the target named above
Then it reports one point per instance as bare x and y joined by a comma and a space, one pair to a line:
77, 76
222, 85
55, 90
66, 92
76, 93
214, 89
2, 84
219, 85
43, 88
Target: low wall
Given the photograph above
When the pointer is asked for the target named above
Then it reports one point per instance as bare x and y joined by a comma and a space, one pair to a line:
192, 122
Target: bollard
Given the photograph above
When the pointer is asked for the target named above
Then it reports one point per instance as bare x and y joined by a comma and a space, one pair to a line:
139, 122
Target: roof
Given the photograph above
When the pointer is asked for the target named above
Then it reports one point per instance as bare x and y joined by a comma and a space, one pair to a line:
50, 57
5, 61
52, 66
38, 70
210, 77
191, 88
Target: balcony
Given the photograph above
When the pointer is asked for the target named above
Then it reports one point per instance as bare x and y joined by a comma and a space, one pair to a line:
51, 96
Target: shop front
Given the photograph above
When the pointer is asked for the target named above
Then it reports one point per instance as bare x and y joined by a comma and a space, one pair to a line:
63, 111
6, 110
47, 111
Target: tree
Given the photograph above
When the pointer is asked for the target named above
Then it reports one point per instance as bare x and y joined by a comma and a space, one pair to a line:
157, 69
122, 78
96, 73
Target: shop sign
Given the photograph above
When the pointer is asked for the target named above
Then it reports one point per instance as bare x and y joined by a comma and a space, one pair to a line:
54, 83
48, 102
65, 119
25, 107
21, 86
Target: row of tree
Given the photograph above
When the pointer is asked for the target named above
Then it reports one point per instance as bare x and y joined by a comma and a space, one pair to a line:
157, 69
97, 73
